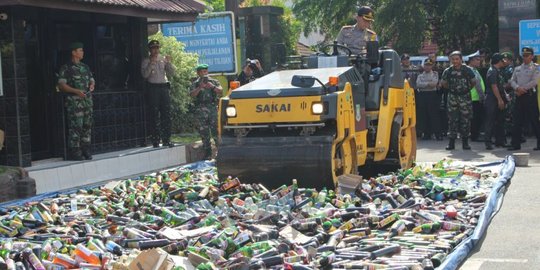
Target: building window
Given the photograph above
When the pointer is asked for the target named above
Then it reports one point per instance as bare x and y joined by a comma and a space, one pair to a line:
113, 53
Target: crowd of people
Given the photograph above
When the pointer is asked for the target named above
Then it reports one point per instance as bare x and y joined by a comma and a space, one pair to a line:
459, 100
453, 99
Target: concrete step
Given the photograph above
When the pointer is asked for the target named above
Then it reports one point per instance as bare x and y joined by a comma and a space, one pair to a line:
57, 174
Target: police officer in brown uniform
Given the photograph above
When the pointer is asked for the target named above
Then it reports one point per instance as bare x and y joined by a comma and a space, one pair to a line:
157, 70
356, 36
524, 81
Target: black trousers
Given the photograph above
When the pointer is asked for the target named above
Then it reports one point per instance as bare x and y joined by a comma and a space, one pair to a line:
443, 110
428, 116
477, 119
494, 122
525, 111
159, 103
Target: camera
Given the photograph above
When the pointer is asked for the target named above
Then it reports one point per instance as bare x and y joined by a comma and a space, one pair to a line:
205, 79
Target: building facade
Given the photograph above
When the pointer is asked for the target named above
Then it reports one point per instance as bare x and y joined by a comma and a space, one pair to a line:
34, 43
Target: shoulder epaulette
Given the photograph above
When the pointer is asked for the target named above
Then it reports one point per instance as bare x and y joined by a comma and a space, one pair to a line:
371, 31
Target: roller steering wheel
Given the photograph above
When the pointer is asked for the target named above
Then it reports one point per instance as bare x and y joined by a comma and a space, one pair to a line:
323, 49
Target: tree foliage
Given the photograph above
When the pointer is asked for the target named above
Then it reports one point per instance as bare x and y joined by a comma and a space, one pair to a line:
181, 102
326, 16
467, 25
453, 24
215, 5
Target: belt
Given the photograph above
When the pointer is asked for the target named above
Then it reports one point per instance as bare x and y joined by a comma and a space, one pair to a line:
167, 84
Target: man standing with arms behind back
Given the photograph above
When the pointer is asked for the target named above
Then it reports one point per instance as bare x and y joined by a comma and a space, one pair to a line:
157, 70
458, 79
478, 97
205, 91
356, 36
495, 102
523, 81
76, 79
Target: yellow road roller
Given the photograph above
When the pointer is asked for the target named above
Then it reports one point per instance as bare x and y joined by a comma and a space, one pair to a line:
315, 124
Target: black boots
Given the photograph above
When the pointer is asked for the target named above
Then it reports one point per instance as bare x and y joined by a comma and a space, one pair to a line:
79, 153
74, 154
86, 153
465, 143
451, 144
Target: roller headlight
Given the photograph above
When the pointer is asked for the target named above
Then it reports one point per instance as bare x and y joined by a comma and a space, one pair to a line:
317, 108
230, 111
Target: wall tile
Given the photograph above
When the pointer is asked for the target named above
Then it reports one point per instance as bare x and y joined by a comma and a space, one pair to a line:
23, 106
11, 126
9, 87
12, 160
10, 107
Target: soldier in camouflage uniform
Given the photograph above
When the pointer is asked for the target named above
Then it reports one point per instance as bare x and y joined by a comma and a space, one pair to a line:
506, 75
76, 79
458, 79
205, 91
356, 36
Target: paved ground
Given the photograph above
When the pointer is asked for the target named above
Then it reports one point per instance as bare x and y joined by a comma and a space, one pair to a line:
513, 238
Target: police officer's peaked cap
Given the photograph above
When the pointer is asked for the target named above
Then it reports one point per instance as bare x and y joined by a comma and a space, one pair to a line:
76, 45
455, 53
366, 13
496, 58
475, 54
527, 49
428, 62
153, 43
405, 56
201, 66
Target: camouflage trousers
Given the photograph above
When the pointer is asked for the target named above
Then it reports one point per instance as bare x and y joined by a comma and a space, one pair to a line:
79, 121
459, 115
207, 123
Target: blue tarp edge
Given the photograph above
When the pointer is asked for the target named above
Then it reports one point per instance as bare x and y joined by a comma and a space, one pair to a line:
493, 204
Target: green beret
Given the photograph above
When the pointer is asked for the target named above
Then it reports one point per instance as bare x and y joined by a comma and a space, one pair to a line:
76, 45
201, 66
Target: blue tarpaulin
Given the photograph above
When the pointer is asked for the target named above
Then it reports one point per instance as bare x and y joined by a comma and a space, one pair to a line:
493, 204
494, 200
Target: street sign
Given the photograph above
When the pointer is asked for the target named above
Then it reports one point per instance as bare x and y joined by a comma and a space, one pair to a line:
212, 37
529, 35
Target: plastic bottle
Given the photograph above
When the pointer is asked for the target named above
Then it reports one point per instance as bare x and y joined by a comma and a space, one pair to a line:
114, 248
86, 254
397, 228
388, 250
388, 220
147, 244
437, 259
32, 259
